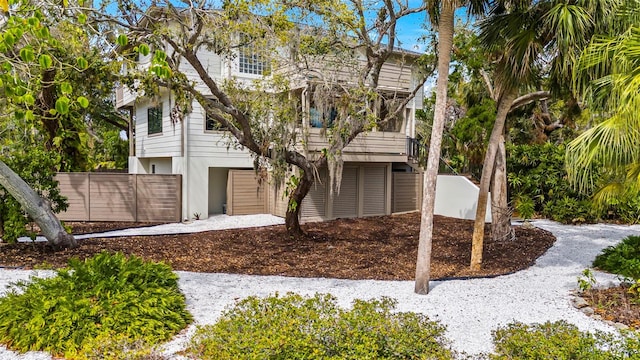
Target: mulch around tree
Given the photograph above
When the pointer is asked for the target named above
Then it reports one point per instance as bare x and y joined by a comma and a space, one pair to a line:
383, 248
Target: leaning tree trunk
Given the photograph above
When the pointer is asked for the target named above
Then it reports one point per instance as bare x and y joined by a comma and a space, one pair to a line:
501, 228
504, 104
37, 208
292, 217
445, 44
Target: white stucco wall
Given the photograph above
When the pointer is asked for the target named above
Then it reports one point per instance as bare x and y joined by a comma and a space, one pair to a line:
195, 189
457, 197
217, 189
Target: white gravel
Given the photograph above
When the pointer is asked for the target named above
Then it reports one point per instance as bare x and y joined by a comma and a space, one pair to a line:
470, 309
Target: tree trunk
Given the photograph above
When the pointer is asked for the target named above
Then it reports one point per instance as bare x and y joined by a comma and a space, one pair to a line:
37, 208
504, 104
501, 228
445, 44
292, 218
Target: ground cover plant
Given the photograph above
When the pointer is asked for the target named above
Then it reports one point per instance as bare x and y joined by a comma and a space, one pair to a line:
297, 327
561, 340
619, 303
105, 297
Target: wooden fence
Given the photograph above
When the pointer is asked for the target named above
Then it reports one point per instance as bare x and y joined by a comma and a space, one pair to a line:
121, 197
407, 192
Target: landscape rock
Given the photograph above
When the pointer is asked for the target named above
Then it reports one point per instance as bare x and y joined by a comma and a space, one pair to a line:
620, 326
587, 311
579, 302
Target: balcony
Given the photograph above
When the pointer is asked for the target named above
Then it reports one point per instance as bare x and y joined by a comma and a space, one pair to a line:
374, 146
124, 97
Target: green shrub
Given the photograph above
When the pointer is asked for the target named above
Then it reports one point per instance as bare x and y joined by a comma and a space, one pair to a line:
108, 294
560, 340
538, 184
622, 259
118, 347
295, 327
35, 165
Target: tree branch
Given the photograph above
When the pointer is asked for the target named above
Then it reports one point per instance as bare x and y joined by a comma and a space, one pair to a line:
528, 99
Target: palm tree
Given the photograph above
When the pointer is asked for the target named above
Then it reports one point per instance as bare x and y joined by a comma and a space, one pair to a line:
550, 34
608, 76
442, 14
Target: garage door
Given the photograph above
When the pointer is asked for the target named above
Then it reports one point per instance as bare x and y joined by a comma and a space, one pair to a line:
244, 195
314, 204
345, 204
375, 187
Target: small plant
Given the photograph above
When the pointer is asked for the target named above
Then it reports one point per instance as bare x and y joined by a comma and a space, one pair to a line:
586, 281
196, 216
622, 259
118, 347
559, 340
296, 327
89, 302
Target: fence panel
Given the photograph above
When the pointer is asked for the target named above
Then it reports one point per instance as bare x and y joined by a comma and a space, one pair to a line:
75, 186
121, 197
407, 189
112, 197
157, 197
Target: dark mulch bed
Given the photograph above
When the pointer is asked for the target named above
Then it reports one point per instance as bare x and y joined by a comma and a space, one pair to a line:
382, 248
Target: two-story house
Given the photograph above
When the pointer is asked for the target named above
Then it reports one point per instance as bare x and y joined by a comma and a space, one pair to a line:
218, 178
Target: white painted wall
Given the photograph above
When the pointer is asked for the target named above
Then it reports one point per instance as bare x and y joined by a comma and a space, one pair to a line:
457, 197
166, 144
160, 166
217, 144
138, 165
217, 189
195, 189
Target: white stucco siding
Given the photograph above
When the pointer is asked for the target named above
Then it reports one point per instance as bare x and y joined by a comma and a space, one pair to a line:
457, 197
196, 187
165, 144
159, 166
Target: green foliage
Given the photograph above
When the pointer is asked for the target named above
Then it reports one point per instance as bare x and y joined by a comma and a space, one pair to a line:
118, 347
112, 152
471, 132
560, 340
537, 178
36, 166
622, 259
586, 281
74, 311
62, 64
295, 327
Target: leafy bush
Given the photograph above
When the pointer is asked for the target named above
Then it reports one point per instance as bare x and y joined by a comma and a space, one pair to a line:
92, 300
118, 347
36, 166
561, 340
538, 179
622, 259
294, 327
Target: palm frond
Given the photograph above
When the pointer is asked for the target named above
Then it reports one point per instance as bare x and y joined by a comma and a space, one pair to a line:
612, 144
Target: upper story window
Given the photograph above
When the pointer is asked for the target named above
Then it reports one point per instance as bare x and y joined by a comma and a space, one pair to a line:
213, 125
154, 119
388, 105
251, 62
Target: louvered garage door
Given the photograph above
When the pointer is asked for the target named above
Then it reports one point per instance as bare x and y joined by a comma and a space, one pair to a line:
314, 204
375, 188
244, 195
345, 204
